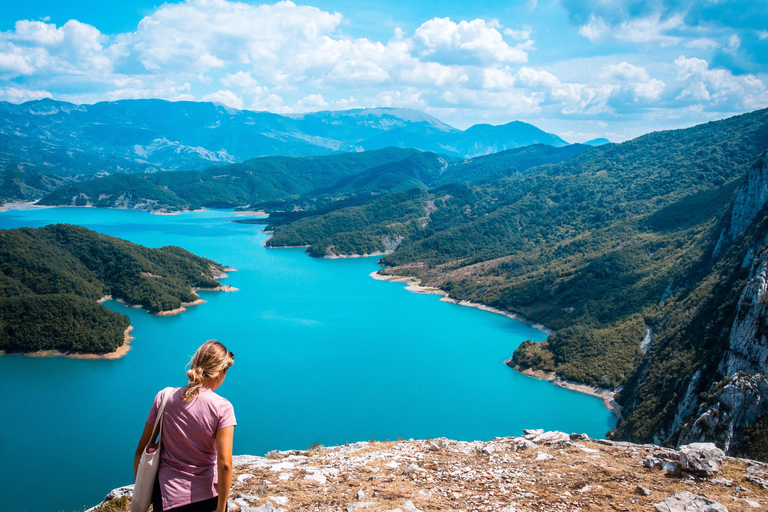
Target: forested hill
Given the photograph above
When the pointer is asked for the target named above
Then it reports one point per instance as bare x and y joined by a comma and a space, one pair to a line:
280, 183
612, 248
52, 277
266, 179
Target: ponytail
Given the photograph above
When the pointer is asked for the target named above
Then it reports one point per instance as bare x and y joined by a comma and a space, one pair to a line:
209, 360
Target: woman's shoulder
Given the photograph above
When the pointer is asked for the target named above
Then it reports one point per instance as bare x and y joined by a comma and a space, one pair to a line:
216, 400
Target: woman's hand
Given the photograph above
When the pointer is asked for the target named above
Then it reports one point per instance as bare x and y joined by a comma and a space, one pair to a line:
224, 464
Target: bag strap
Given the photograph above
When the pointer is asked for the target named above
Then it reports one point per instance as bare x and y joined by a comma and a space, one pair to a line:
158, 427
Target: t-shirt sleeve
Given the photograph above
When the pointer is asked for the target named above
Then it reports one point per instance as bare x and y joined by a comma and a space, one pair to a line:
155, 407
226, 414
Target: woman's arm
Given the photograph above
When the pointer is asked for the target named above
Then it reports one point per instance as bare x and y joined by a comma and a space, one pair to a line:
224, 464
142, 444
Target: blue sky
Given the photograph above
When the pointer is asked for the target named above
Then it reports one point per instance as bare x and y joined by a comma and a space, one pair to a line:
578, 68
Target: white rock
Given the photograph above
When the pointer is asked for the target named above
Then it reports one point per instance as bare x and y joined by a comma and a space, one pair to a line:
526, 444
543, 456
702, 459
488, 449
245, 477
362, 504
551, 438
687, 502
411, 468
531, 433
269, 507
318, 478
285, 476
250, 460
280, 500
408, 506
282, 466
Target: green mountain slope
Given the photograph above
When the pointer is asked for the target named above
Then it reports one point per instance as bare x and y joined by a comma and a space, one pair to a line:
277, 183
256, 181
51, 278
374, 227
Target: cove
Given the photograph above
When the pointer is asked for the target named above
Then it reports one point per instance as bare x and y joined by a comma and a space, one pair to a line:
324, 354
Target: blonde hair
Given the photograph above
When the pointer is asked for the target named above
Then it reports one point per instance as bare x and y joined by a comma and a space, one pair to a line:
210, 359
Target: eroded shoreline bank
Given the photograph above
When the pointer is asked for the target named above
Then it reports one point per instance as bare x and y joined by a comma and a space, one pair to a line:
120, 352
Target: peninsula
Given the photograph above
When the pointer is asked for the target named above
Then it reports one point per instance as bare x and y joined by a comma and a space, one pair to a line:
52, 280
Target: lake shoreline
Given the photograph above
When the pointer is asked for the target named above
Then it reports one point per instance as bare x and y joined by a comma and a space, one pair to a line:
415, 286
606, 395
119, 353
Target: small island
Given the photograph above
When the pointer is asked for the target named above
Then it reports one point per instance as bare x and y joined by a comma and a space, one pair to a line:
53, 280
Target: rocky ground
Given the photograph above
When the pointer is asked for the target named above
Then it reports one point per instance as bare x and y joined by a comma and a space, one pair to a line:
540, 471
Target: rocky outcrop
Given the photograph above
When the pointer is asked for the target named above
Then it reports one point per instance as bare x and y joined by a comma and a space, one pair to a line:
747, 342
741, 396
537, 472
701, 459
391, 243
734, 403
687, 502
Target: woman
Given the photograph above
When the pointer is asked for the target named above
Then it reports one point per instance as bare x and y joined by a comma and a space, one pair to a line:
195, 470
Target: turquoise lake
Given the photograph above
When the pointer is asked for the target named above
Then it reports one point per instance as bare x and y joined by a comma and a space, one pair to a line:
324, 354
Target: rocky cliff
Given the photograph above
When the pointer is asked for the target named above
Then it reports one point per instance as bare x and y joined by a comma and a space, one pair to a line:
539, 471
721, 394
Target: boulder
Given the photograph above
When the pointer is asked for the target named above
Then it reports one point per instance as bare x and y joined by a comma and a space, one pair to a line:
525, 444
408, 506
551, 438
702, 459
317, 478
114, 494
687, 502
670, 466
643, 491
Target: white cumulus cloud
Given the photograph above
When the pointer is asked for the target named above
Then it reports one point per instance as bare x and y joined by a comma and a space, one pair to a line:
442, 40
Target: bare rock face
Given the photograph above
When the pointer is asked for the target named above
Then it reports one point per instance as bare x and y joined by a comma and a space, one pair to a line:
752, 196
702, 459
738, 401
747, 343
687, 502
739, 398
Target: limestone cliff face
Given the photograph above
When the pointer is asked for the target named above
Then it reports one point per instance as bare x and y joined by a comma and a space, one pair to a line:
747, 343
740, 396
752, 197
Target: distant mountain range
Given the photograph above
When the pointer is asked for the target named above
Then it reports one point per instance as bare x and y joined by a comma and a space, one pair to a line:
67, 140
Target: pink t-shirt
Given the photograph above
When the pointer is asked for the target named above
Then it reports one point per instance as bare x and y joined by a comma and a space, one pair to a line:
187, 470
